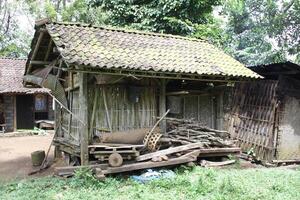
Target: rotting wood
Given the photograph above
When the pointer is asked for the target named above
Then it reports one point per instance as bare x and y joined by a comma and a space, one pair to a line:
84, 131
169, 151
183, 131
149, 164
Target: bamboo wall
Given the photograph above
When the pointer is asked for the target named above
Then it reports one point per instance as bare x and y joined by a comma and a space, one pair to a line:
111, 108
253, 118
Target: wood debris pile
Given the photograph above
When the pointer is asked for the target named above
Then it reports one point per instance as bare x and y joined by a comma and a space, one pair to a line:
181, 132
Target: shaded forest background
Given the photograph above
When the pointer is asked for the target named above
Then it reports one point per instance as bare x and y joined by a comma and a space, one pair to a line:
253, 31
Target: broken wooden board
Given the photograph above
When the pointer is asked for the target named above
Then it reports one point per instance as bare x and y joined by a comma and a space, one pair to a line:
169, 151
191, 157
218, 152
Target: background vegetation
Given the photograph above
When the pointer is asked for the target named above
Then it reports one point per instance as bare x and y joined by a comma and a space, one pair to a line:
253, 31
198, 183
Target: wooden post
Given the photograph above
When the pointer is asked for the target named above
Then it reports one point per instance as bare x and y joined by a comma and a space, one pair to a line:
83, 113
220, 107
15, 112
162, 104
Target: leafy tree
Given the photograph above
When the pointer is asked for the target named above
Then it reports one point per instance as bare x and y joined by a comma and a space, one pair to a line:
13, 41
262, 31
181, 17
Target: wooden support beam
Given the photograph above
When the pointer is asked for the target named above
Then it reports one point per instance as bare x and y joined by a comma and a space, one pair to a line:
48, 50
39, 62
159, 75
35, 51
83, 112
162, 104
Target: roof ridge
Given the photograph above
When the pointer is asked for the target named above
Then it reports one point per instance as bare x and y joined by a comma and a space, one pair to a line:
125, 30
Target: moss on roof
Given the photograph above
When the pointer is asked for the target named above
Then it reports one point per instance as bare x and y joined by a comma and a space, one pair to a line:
92, 46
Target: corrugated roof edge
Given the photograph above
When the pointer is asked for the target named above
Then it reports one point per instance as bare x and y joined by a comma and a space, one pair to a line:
274, 63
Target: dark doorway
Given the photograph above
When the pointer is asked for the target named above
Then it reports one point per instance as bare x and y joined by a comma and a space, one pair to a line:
25, 111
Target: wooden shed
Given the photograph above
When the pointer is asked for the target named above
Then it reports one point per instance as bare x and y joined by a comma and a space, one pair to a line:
112, 80
265, 113
20, 107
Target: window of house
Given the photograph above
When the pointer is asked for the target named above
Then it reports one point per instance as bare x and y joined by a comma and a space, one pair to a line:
40, 103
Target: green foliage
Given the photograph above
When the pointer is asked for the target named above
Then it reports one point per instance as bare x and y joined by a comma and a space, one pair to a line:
166, 16
262, 31
13, 41
196, 183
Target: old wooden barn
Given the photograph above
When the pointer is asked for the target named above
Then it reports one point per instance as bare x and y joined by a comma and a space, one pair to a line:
265, 113
20, 107
115, 80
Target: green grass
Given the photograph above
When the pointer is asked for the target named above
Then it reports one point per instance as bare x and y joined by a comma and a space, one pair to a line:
198, 183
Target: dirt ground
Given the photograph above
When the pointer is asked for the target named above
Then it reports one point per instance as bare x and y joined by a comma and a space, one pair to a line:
15, 160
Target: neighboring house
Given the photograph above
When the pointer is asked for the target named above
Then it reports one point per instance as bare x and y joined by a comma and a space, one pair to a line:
265, 113
109, 80
20, 107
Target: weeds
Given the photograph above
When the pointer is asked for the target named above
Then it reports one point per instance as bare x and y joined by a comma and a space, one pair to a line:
189, 183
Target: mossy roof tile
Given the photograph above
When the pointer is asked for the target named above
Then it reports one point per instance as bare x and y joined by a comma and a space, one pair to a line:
117, 48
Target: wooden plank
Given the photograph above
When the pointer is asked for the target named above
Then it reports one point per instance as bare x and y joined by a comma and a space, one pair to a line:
286, 161
113, 151
110, 146
83, 112
170, 151
220, 150
149, 164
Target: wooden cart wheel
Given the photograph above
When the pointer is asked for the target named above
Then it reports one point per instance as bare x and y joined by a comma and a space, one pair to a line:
115, 160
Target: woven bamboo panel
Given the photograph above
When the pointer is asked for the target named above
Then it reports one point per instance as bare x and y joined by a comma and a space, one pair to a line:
253, 117
122, 113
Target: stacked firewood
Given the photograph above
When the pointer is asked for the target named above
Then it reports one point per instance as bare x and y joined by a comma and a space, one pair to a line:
181, 132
